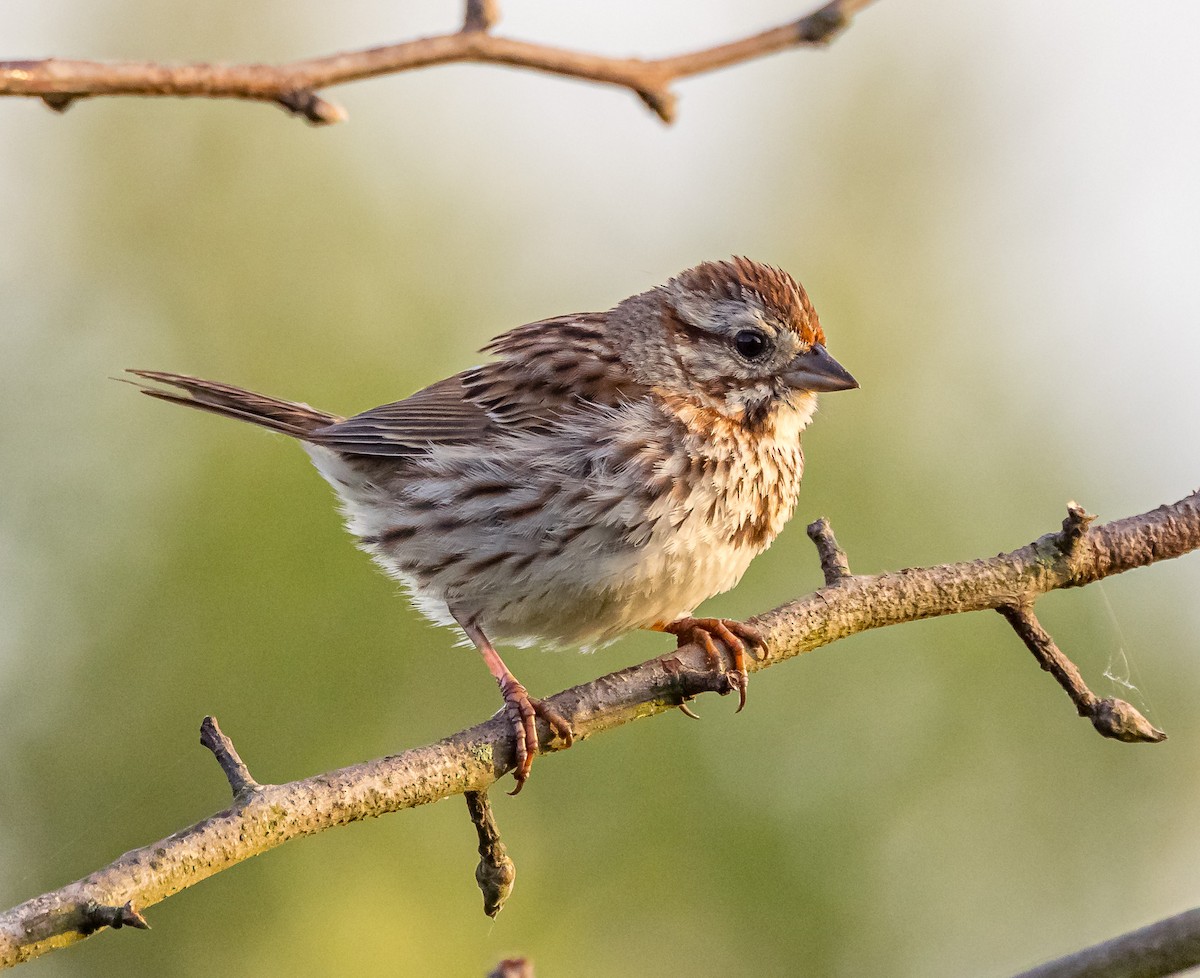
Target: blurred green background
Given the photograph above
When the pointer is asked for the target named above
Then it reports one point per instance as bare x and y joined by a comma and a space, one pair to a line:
994, 208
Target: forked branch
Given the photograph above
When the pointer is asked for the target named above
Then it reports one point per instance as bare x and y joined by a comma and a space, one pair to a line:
264, 816
294, 86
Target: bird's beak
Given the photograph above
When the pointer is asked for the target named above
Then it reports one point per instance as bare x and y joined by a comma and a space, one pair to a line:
816, 370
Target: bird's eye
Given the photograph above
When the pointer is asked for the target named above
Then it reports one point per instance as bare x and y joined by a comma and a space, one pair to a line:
750, 343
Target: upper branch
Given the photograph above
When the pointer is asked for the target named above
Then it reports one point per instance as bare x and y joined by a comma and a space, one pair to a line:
293, 85
268, 815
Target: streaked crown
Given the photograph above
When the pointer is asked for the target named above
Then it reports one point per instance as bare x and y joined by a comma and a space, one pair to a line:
744, 282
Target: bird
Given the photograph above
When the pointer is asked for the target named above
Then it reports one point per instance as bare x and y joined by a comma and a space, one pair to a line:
602, 473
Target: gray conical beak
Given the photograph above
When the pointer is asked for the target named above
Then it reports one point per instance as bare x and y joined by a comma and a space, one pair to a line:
816, 370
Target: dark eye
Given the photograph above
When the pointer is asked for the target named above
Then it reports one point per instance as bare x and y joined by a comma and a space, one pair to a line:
750, 343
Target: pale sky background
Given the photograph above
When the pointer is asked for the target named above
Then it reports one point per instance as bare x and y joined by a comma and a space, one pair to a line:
1080, 125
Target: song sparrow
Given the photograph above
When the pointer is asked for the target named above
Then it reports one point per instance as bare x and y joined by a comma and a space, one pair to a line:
605, 472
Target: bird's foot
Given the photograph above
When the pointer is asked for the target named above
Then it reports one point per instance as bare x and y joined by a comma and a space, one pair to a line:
735, 635
523, 712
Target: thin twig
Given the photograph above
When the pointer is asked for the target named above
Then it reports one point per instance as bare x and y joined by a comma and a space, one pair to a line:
475, 758
1167, 947
223, 750
1112, 717
481, 15
495, 873
293, 86
834, 563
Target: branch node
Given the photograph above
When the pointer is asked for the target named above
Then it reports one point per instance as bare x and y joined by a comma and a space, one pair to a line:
822, 26
496, 872
97, 915
1118, 720
59, 101
307, 104
236, 772
481, 16
1074, 527
660, 101
834, 564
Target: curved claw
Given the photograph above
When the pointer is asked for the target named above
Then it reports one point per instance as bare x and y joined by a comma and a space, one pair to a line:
523, 711
521, 716
734, 635
739, 681
559, 725
687, 711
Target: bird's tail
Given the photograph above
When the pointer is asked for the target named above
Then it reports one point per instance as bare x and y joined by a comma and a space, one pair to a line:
287, 417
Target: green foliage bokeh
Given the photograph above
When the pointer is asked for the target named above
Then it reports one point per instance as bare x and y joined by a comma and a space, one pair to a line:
918, 801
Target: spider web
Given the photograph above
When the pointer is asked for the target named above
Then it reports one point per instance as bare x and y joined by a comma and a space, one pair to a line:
1125, 680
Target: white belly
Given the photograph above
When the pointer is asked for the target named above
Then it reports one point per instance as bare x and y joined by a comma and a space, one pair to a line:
571, 559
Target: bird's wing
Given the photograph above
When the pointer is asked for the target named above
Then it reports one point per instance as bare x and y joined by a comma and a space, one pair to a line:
441, 414
543, 370
551, 366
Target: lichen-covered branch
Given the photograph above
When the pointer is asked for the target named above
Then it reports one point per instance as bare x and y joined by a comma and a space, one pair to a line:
266, 816
293, 86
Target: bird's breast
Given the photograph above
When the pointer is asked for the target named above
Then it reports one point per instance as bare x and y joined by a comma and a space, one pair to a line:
624, 518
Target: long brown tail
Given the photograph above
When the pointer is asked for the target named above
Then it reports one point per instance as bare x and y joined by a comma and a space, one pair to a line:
287, 417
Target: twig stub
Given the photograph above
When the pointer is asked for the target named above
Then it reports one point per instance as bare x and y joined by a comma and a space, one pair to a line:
236, 772
822, 26
311, 107
58, 101
97, 915
834, 564
1118, 720
660, 101
481, 15
496, 871
1074, 527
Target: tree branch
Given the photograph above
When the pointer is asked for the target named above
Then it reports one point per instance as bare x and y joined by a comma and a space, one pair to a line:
1166, 947
293, 86
269, 815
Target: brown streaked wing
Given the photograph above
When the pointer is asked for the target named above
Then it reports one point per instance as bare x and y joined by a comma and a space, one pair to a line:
440, 414
547, 367
542, 369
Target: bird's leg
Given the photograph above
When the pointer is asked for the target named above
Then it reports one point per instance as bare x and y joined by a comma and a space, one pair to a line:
521, 707
734, 634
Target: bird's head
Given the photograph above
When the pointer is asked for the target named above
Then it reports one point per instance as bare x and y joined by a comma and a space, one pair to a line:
738, 337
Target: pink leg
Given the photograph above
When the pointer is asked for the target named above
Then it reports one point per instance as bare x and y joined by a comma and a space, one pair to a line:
522, 709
